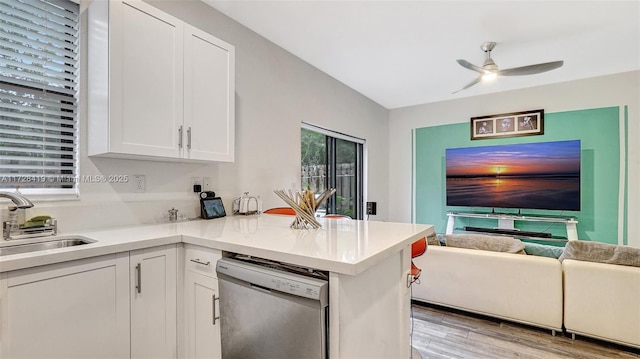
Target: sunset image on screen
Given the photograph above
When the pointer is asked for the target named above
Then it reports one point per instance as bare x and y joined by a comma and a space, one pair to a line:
542, 175
528, 159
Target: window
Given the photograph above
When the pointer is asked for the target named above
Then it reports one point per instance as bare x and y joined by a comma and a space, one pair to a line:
333, 160
39, 96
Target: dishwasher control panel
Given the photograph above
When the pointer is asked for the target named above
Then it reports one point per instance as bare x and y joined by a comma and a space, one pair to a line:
268, 278
295, 287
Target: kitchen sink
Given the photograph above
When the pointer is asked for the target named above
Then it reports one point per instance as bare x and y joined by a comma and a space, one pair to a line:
41, 246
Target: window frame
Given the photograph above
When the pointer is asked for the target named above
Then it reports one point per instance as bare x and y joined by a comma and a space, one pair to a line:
34, 86
331, 173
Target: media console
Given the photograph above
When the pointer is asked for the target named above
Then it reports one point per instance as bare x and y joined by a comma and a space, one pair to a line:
506, 227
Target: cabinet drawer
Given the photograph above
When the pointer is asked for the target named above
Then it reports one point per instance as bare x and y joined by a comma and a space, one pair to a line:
200, 259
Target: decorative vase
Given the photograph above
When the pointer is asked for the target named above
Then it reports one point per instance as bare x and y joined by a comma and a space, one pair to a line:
305, 204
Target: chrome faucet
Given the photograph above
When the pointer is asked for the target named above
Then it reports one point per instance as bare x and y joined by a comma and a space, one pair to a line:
11, 229
19, 200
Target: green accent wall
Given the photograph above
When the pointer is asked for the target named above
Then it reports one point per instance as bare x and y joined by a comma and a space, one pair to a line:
599, 132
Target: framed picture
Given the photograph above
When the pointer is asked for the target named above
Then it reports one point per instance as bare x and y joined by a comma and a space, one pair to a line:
524, 123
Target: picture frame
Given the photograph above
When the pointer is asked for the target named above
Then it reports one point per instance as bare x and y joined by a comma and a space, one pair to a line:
523, 123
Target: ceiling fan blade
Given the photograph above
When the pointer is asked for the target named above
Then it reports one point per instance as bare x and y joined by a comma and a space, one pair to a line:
469, 84
466, 64
531, 69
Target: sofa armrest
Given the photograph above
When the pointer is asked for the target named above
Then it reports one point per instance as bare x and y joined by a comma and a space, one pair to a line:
602, 301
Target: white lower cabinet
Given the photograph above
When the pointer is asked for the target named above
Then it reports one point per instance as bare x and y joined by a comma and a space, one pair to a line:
203, 316
114, 306
153, 273
201, 306
77, 309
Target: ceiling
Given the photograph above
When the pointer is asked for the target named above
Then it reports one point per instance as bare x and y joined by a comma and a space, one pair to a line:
403, 53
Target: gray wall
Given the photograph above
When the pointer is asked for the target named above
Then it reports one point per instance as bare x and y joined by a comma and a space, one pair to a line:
275, 92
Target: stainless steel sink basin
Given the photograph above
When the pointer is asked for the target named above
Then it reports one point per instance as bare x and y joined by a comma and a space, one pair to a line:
41, 246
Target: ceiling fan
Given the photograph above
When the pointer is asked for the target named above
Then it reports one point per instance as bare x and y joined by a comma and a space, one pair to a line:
489, 69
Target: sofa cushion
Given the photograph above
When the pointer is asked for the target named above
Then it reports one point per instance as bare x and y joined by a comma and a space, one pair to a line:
601, 253
543, 250
485, 242
433, 239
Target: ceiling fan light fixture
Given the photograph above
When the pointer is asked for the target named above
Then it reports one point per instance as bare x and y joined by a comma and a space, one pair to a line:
489, 70
489, 76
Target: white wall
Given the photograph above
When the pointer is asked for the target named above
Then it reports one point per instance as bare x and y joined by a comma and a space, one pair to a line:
613, 90
275, 92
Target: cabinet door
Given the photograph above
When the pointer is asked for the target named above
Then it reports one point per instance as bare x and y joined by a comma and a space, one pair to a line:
203, 316
153, 302
78, 309
146, 94
209, 86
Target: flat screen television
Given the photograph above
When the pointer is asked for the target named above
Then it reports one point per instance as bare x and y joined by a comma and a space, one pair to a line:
542, 175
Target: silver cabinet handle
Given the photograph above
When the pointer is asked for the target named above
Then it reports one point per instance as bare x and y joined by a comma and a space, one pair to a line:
189, 137
180, 137
214, 309
139, 278
197, 260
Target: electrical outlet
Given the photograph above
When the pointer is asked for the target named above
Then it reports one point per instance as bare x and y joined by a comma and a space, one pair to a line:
139, 184
196, 181
206, 183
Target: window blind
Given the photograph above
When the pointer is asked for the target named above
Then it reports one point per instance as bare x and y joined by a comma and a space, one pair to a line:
39, 95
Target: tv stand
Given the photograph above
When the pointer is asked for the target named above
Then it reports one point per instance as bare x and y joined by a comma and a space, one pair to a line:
506, 221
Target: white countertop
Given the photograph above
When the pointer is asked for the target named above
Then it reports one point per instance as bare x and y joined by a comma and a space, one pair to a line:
341, 245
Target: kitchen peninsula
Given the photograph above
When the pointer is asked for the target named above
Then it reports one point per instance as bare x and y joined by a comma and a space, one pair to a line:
368, 264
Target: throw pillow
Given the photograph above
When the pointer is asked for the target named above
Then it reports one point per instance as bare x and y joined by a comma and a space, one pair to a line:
543, 250
485, 242
432, 239
601, 253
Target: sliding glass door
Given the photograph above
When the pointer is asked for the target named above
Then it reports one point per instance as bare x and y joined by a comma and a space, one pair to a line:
333, 160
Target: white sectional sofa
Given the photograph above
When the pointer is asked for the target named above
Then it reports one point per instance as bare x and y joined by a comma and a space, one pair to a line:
516, 287
594, 299
602, 301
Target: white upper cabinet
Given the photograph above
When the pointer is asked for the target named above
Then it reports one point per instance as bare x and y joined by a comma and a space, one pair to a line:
158, 88
208, 100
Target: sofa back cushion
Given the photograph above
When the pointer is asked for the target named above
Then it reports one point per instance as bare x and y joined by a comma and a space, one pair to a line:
543, 250
485, 242
601, 253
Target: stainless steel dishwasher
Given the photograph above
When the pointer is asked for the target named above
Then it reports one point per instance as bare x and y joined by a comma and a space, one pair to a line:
272, 310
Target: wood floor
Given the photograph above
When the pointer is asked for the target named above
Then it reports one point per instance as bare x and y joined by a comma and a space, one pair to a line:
445, 333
